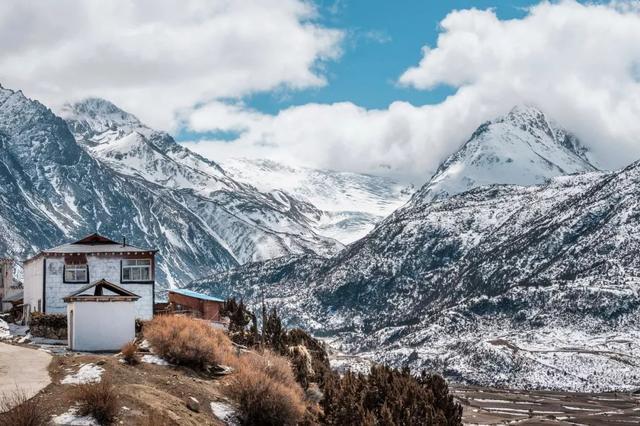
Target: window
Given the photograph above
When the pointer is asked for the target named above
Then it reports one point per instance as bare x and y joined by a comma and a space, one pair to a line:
76, 274
136, 270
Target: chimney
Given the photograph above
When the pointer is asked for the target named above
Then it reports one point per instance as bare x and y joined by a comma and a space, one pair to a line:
124, 241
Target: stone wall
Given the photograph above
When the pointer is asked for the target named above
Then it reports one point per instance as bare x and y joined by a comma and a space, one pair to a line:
49, 326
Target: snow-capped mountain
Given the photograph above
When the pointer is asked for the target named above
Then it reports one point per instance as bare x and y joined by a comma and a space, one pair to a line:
351, 203
509, 285
252, 225
124, 179
52, 191
523, 147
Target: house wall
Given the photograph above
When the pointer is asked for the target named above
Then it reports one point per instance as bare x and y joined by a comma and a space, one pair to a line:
100, 326
33, 272
208, 310
100, 267
8, 286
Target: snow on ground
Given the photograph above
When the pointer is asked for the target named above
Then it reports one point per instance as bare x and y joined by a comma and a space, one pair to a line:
224, 412
4, 330
154, 359
88, 373
71, 418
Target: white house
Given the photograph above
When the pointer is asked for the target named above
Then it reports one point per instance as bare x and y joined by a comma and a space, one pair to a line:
53, 274
100, 317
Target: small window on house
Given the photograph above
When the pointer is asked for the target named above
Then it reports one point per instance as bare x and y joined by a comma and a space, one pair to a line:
76, 274
136, 270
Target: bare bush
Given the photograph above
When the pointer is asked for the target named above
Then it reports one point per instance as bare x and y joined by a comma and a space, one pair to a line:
98, 400
187, 341
266, 391
130, 353
17, 409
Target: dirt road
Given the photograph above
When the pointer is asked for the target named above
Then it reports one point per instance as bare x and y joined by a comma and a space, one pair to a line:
23, 368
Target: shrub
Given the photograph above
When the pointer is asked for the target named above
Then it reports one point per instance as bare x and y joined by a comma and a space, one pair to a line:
266, 391
99, 400
188, 341
17, 409
130, 353
275, 367
391, 397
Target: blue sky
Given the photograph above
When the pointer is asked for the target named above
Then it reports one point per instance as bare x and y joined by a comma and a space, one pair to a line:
383, 39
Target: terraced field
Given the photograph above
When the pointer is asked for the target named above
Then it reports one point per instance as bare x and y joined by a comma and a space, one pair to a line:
497, 406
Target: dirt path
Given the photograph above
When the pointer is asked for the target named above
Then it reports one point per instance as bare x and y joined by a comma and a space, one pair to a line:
23, 368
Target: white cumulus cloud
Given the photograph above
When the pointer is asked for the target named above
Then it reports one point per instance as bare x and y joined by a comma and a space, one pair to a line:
156, 57
580, 63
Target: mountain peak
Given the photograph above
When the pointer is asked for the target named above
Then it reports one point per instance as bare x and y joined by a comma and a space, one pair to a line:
527, 117
99, 115
526, 110
522, 147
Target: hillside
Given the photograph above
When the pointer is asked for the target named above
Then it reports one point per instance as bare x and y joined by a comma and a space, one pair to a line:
522, 286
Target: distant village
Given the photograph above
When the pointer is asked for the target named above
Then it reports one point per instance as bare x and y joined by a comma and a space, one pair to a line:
102, 286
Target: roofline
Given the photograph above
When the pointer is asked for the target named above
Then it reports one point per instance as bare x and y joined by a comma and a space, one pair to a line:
92, 298
204, 296
55, 254
122, 292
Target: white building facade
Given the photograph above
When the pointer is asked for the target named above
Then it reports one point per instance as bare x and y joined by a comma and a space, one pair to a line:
53, 274
101, 317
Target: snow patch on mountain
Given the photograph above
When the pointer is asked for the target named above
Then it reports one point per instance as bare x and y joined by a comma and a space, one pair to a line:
351, 203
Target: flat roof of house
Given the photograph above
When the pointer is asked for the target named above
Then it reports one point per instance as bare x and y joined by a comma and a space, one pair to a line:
93, 243
195, 294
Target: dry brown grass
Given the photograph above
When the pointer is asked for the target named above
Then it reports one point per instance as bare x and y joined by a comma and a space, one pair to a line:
266, 391
187, 341
99, 400
16, 409
130, 353
155, 419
